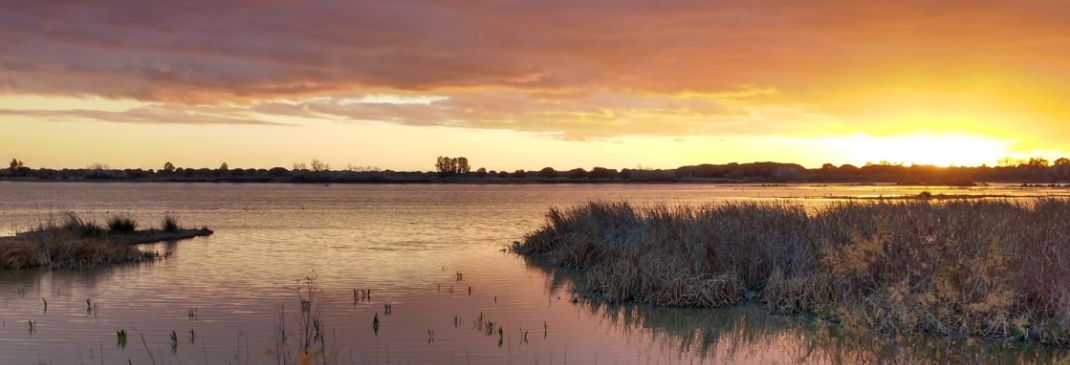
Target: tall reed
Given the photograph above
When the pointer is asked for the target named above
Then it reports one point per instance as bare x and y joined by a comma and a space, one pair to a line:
961, 268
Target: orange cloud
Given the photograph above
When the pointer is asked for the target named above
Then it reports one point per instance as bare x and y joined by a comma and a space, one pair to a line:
577, 68
197, 50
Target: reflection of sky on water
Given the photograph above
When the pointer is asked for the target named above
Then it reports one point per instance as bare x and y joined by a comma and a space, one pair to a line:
405, 243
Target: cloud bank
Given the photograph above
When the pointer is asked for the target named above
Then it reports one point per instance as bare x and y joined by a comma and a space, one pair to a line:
576, 68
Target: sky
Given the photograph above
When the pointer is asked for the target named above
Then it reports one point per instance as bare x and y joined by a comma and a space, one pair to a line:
527, 84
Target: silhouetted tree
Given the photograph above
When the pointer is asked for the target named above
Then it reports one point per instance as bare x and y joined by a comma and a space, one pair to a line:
16, 164
318, 165
577, 173
1037, 162
224, 167
1061, 168
442, 165
1008, 162
547, 173
602, 173
462, 165
481, 172
452, 166
168, 166
278, 172
848, 168
365, 168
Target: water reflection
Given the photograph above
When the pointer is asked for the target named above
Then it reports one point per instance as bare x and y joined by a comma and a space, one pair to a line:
751, 333
430, 256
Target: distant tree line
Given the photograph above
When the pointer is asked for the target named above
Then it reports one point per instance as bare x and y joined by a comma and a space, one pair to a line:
459, 170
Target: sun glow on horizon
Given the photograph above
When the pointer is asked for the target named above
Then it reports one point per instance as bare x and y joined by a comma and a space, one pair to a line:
946, 149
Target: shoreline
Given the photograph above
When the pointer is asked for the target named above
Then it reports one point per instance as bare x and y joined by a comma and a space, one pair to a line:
142, 237
749, 183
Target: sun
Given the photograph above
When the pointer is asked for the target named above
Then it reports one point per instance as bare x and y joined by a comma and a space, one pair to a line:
947, 149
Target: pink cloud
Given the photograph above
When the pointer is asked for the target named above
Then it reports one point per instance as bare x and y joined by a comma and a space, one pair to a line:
581, 68
200, 51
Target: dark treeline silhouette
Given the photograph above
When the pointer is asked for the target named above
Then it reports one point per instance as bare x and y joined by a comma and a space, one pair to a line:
458, 170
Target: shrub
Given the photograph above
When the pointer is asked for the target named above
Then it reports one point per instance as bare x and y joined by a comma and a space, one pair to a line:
121, 225
170, 224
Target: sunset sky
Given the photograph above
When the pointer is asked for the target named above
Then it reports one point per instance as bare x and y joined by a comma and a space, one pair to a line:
522, 85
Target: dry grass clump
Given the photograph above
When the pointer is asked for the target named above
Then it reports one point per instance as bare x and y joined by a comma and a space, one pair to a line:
16, 255
169, 224
71, 224
121, 225
962, 268
66, 242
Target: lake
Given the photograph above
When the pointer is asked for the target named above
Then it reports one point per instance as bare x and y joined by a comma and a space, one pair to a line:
434, 253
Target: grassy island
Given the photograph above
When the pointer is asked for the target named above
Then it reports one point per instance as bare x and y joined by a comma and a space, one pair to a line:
959, 269
71, 242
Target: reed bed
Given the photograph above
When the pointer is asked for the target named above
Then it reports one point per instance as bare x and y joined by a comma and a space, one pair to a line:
68, 241
954, 268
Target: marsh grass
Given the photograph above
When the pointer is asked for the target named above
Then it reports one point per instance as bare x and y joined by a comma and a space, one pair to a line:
121, 225
311, 343
169, 224
67, 241
954, 268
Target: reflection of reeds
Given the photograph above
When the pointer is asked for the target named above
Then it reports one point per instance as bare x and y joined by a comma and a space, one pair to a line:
963, 268
730, 335
174, 341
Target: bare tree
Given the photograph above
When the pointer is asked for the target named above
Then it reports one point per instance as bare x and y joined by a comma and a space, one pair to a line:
462, 166
452, 166
365, 168
442, 165
318, 165
1037, 162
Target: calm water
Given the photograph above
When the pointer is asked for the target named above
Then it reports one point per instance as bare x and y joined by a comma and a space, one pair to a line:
407, 244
